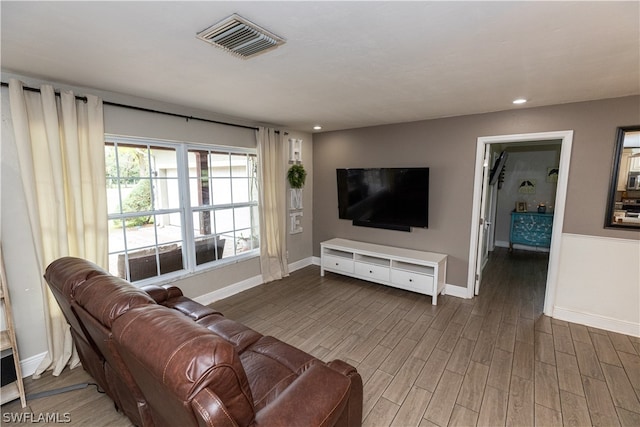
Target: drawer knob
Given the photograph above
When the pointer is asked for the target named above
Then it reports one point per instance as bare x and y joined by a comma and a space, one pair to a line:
371, 271
411, 280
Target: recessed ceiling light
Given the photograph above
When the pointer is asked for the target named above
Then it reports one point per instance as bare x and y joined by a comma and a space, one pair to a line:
519, 101
317, 127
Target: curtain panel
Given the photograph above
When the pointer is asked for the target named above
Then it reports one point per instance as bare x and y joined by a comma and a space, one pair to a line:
273, 236
60, 143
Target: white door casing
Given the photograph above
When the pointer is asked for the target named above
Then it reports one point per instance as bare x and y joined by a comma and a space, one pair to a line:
492, 210
482, 220
566, 140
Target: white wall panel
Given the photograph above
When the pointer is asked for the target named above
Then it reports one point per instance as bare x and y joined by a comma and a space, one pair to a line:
599, 283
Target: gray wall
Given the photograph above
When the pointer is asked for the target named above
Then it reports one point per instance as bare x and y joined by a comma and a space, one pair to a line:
448, 146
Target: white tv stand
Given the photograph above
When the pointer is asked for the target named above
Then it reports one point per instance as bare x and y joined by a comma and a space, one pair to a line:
417, 271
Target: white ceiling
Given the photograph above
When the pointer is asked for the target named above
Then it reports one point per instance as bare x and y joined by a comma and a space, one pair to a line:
345, 64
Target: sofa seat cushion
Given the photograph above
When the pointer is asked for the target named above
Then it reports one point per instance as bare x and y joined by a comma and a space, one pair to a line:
236, 333
271, 366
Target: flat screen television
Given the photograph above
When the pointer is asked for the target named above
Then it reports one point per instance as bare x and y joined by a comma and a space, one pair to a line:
391, 198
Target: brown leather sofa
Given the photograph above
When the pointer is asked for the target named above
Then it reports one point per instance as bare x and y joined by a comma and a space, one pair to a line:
166, 360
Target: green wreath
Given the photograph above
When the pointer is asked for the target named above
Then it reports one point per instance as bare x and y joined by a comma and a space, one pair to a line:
296, 176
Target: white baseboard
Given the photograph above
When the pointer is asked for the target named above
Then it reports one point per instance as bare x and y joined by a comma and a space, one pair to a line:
597, 321
30, 364
316, 260
244, 285
228, 291
456, 291
300, 264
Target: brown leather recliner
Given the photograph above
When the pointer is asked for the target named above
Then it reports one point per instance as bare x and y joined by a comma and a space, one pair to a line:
105, 297
168, 360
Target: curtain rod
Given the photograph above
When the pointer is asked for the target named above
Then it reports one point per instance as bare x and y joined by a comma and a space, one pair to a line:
148, 110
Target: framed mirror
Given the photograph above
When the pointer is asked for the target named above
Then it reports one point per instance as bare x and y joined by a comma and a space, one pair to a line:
623, 206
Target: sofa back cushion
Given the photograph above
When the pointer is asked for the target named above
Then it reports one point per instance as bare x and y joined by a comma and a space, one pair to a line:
64, 276
173, 359
67, 273
108, 297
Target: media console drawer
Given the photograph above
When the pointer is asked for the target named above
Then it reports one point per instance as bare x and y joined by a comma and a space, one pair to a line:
412, 270
373, 272
338, 263
420, 282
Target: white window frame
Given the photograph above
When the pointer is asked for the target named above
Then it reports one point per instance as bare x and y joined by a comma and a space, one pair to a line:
185, 209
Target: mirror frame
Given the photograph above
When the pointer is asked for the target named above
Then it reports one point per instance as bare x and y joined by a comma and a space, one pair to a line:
615, 171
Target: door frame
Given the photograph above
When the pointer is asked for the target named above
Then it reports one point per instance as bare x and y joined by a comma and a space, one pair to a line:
566, 141
493, 200
482, 242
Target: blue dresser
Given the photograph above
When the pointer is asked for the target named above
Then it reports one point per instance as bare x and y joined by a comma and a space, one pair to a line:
531, 228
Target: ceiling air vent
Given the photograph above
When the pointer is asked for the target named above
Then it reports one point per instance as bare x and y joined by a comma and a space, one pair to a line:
240, 37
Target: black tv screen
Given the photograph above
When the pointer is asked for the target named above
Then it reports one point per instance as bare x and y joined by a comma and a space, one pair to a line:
394, 198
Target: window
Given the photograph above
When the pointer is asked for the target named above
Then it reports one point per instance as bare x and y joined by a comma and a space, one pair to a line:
178, 207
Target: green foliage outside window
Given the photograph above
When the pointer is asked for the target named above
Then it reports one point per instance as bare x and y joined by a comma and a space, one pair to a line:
139, 200
131, 165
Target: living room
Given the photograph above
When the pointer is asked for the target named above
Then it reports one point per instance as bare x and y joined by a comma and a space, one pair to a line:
595, 283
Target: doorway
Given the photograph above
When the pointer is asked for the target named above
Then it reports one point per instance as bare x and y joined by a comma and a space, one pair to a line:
482, 197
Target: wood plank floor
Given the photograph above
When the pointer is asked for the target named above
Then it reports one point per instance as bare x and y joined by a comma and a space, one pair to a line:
84, 407
494, 360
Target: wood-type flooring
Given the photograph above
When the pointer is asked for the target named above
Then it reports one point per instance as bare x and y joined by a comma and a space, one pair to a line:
494, 360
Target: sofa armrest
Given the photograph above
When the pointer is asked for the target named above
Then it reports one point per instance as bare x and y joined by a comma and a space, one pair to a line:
161, 294
317, 397
210, 411
352, 415
190, 308
172, 291
343, 367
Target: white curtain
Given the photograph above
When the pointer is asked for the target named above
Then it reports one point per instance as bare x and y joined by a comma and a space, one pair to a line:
273, 204
60, 143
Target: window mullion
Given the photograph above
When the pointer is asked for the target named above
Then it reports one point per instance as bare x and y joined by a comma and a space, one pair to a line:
233, 210
124, 229
188, 248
